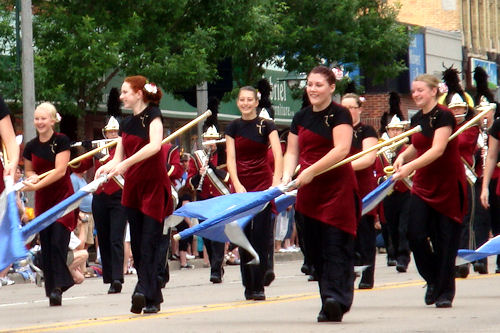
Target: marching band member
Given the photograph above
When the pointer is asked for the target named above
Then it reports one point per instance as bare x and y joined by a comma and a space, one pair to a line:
51, 150
110, 219
146, 194
364, 137
438, 201
486, 219
207, 177
467, 142
9, 140
247, 139
396, 205
320, 136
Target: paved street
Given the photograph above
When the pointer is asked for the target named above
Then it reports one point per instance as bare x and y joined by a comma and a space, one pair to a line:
193, 304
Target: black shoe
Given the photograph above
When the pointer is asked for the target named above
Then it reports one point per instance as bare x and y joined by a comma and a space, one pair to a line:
331, 311
215, 278
322, 317
480, 267
401, 268
429, 295
55, 298
391, 262
305, 269
363, 285
258, 296
462, 271
443, 304
497, 270
138, 302
268, 278
115, 287
248, 294
155, 308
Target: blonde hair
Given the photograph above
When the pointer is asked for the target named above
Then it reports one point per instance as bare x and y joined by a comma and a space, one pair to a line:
51, 109
431, 81
355, 97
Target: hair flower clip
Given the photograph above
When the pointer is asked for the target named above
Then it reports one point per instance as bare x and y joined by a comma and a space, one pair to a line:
151, 88
338, 72
362, 99
58, 117
443, 88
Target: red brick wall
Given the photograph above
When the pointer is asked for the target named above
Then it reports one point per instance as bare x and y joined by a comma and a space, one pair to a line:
376, 104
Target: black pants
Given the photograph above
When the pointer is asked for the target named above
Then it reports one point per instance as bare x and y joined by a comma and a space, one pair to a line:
486, 219
397, 214
465, 229
110, 221
215, 252
145, 233
434, 240
163, 268
299, 224
54, 241
332, 253
365, 247
258, 232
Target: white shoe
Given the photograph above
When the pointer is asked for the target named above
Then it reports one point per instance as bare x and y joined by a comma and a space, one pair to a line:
190, 256
6, 281
282, 250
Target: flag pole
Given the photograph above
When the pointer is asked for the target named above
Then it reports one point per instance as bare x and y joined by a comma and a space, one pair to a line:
184, 128
470, 123
114, 142
349, 159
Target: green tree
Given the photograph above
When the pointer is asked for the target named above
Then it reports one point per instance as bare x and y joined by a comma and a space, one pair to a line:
80, 45
10, 76
359, 32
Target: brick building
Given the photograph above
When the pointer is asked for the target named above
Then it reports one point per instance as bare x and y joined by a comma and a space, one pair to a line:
462, 33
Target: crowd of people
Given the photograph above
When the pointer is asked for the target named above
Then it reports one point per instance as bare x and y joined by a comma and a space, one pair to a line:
438, 201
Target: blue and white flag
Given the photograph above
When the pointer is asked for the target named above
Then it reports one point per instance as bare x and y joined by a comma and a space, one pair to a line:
490, 248
64, 207
372, 199
11, 243
225, 216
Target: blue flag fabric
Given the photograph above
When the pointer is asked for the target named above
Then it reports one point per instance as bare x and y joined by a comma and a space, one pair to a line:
490, 248
226, 216
285, 200
64, 207
372, 199
11, 243
225, 209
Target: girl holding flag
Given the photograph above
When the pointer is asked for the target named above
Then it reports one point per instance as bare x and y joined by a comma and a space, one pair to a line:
438, 200
11, 148
139, 157
320, 136
50, 150
247, 141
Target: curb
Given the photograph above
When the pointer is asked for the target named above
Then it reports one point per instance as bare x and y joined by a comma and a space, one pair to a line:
174, 264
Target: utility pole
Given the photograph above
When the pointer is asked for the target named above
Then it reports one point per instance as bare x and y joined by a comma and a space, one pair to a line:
201, 106
28, 71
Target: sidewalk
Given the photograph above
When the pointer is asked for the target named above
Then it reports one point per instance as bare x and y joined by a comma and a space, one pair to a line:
197, 263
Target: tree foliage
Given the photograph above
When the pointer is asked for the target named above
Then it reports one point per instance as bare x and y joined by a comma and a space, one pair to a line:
358, 32
82, 44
